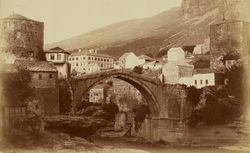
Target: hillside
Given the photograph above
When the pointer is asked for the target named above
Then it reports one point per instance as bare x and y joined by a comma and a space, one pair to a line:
185, 25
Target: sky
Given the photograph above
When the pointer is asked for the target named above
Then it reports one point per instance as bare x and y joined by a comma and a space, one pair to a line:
68, 18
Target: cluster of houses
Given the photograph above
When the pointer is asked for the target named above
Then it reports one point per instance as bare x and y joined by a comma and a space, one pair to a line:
176, 67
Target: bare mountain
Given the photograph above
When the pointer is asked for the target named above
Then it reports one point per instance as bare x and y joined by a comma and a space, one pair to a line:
185, 25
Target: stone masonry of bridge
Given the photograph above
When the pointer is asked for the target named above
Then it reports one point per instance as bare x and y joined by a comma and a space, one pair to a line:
168, 104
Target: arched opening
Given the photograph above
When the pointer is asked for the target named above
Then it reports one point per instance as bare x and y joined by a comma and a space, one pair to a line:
152, 107
142, 88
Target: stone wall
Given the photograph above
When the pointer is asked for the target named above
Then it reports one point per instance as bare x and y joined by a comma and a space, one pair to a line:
24, 38
45, 81
50, 99
46, 90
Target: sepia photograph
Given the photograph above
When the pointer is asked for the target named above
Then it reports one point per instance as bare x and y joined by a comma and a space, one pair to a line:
124, 76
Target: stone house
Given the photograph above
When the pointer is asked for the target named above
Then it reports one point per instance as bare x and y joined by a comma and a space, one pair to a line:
44, 81
59, 57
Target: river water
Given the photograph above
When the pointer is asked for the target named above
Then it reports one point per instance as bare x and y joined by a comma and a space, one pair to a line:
118, 146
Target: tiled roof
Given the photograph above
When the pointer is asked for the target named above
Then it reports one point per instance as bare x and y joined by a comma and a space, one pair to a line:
146, 57
40, 66
203, 71
56, 50
91, 54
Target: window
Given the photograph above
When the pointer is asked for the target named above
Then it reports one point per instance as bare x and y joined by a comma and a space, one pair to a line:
89, 58
50, 76
37, 106
206, 81
59, 56
76, 58
200, 81
76, 64
52, 56
195, 82
39, 76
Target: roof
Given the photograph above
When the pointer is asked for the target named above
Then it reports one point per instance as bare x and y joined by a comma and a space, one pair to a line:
203, 71
147, 58
18, 17
92, 54
56, 50
39, 66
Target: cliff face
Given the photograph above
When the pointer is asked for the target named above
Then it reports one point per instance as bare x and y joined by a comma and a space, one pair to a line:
228, 9
192, 8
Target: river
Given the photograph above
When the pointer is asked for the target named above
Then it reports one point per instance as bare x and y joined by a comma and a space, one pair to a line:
132, 147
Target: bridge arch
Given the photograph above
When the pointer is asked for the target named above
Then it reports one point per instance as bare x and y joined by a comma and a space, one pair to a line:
82, 85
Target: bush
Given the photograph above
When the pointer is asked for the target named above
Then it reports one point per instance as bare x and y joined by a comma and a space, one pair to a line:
64, 97
138, 69
16, 87
214, 108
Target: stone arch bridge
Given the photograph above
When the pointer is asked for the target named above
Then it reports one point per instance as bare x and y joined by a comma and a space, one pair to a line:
167, 103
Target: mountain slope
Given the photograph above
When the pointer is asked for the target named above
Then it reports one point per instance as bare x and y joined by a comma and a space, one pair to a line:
182, 26
119, 32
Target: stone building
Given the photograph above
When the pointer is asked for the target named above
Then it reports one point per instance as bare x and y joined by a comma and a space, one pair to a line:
44, 81
21, 40
230, 37
22, 37
59, 57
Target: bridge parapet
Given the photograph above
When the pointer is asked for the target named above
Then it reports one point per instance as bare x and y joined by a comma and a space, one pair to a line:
127, 72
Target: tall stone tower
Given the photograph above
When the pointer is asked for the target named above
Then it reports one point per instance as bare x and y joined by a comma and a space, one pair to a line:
231, 37
22, 37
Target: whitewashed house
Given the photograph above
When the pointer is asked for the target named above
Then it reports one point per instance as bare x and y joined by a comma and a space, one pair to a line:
128, 61
176, 67
87, 61
59, 57
176, 54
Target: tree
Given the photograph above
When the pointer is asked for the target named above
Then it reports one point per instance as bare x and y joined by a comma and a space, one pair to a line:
138, 69
16, 88
64, 97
